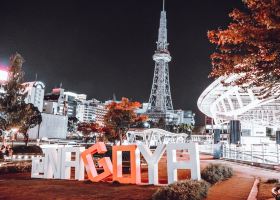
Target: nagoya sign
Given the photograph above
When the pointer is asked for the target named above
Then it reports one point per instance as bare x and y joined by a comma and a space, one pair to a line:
57, 162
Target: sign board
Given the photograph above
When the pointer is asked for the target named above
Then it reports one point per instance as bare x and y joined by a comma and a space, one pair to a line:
57, 162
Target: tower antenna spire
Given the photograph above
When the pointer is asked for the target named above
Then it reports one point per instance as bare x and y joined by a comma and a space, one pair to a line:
163, 5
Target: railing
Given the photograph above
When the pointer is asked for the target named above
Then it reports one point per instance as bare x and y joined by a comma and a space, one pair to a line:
202, 138
259, 153
21, 157
206, 148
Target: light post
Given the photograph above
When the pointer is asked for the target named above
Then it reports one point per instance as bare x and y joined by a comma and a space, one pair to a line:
147, 125
13, 132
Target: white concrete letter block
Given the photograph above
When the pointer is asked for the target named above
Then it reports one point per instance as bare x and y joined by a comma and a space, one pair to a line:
67, 163
172, 164
37, 170
152, 160
52, 164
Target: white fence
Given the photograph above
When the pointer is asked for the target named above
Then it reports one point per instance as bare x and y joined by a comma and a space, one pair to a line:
21, 157
259, 153
202, 138
206, 148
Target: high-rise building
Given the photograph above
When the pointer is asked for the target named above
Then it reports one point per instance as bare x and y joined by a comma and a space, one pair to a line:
62, 102
91, 111
35, 94
52, 102
100, 111
70, 103
84, 111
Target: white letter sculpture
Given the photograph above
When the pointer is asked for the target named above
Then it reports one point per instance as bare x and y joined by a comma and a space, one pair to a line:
52, 163
172, 164
37, 170
67, 163
152, 160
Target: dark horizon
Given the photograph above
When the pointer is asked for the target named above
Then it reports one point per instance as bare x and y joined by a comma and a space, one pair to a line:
104, 47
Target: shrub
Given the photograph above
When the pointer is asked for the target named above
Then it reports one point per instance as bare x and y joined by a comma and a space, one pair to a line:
275, 191
214, 173
183, 190
272, 180
1, 155
27, 149
18, 167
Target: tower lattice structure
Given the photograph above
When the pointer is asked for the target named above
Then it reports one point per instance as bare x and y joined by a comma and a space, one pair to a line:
160, 98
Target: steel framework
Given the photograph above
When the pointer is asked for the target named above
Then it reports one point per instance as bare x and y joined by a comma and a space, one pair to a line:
155, 136
232, 102
160, 98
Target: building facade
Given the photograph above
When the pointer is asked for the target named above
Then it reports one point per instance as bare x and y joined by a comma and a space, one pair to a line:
35, 94
91, 111
61, 102
71, 104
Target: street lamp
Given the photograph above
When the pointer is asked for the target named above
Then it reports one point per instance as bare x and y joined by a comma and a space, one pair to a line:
13, 132
146, 125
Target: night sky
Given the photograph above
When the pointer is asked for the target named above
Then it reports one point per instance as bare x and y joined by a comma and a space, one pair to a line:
101, 47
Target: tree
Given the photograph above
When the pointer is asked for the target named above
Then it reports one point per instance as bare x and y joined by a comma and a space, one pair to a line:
161, 123
120, 117
72, 124
250, 48
15, 113
185, 128
88, 128
109, 134
29, 117
181, 128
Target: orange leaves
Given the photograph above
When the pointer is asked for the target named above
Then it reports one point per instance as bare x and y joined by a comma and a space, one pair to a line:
120, 116
125, 104
229, 36
88, 128
239, 16
212, 36
141, 118
123, 112
250, 46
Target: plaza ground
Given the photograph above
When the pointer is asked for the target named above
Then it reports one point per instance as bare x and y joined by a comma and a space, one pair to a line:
21, 186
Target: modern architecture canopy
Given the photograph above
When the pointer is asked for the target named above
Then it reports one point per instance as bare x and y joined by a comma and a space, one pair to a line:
225, 103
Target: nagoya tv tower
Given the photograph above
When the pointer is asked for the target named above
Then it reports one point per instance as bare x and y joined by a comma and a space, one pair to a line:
160, 99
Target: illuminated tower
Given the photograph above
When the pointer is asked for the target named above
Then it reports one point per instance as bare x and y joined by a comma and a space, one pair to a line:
160, 99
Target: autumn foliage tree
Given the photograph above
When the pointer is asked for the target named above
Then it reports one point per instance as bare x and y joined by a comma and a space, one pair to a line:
88, 128
249, 49
15, 113
120, 117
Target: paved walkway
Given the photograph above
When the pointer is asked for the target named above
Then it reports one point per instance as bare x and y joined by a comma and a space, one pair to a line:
238, 187
246, 171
